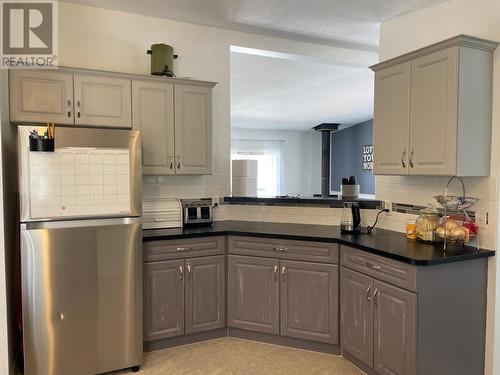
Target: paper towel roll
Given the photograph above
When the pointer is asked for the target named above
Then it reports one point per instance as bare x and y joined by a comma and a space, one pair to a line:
244, 178
245, 168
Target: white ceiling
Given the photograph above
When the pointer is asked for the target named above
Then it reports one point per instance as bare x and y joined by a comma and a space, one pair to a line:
276, 90
338, 22
286, 93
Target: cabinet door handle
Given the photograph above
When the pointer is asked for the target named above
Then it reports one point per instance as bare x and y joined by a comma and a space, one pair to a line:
78, 109
189, 268
171, 162
283, 273
374, 266
280, 249
178, 162
69, 108
368, 297
403, 157
276, 273
183, 248
181, 272
412, 153
375, 297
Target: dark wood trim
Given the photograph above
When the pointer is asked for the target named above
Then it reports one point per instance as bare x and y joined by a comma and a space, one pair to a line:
245, 335
184, 340
285, 341
357, 363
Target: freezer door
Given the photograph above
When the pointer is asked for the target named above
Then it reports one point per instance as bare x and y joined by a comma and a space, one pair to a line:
82, 296
91, 173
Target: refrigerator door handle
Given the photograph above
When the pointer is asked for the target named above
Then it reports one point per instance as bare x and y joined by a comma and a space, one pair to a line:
79, 223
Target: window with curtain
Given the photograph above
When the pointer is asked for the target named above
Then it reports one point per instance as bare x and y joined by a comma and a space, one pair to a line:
269, 156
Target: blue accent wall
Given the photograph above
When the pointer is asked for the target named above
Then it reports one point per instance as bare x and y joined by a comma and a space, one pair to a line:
347, 156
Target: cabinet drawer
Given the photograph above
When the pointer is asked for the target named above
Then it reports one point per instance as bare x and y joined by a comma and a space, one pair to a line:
285, 249
391, 271
185, 248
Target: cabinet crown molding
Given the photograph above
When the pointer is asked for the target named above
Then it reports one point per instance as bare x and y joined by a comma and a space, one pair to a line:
133, 76
459, 40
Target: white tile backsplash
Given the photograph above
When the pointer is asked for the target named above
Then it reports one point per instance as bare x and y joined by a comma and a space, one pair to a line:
415, 190
420, 190
216, 185
328, 216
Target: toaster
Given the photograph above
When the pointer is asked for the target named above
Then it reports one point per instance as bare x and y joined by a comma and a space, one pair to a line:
197, 211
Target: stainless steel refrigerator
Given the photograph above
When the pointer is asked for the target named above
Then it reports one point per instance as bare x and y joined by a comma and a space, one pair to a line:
81, 252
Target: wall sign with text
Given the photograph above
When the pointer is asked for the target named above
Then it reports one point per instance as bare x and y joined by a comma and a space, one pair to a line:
367, 158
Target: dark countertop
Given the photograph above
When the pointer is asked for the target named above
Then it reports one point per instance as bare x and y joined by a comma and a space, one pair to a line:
382, 242
333, 202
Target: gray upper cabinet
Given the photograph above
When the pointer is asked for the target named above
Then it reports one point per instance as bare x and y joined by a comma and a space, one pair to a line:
309, 301
253, 294
193, 129
392, 119
41, 96
153, 108
163, 299
433, 107
356, 311
173, 115
394, 330
103, 101
205, 294
175, 120
433, 118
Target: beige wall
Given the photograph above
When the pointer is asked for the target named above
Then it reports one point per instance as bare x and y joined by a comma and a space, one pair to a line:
301, 162
479, 18
5, 356
108, 40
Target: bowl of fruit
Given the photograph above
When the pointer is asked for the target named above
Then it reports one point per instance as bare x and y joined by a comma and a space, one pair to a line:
456, 231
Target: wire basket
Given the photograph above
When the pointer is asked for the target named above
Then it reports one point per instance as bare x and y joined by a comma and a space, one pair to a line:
455, 207
455, 202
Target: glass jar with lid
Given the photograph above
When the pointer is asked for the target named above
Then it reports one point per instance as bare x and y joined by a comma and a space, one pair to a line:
426, 224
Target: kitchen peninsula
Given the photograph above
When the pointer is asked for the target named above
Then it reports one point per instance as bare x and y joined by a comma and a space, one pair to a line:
382, 301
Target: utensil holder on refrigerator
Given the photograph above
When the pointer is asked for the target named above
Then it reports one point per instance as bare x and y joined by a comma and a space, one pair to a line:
46, 145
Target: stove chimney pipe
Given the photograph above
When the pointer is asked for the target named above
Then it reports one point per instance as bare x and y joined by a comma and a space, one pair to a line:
326, 129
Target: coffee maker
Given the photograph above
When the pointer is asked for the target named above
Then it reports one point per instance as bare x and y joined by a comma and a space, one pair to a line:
350, 222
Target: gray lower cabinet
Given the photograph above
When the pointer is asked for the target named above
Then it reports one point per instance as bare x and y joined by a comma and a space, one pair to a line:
356, 311
163, 299
394, 330
288, 298
205, 294
381, 300
253, 294
378, 324
184, 296
309, 301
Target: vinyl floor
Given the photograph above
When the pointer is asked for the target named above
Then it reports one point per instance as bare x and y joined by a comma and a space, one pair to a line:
232, 356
